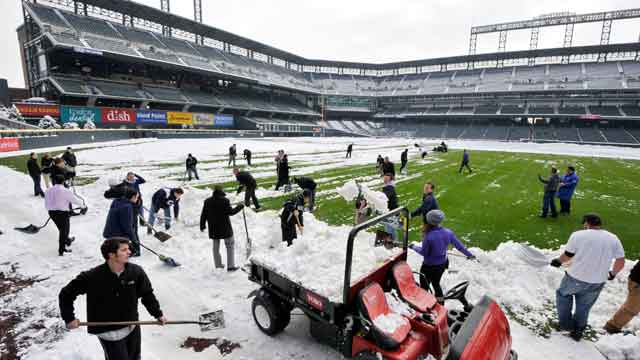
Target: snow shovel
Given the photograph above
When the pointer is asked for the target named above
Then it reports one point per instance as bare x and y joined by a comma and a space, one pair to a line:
166, 259
246, 229
32, 229
160, 235
532, 256
209, 321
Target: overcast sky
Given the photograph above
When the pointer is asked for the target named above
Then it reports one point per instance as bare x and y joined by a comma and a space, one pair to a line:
370, 31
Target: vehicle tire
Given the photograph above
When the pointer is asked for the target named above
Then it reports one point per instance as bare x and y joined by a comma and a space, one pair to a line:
268, 315
366, 355
284, 317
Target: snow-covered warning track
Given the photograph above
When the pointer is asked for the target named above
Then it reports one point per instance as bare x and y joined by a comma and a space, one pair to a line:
196, 288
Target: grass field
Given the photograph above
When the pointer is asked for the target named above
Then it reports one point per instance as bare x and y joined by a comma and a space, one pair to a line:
499, 201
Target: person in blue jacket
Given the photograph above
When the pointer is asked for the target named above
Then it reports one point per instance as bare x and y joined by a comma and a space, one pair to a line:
567, 187
164, 199
133, 181
120, 219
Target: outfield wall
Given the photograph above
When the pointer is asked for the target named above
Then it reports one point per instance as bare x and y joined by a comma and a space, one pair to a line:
16, 140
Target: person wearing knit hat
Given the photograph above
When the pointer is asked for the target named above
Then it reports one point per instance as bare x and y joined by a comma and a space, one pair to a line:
434, 248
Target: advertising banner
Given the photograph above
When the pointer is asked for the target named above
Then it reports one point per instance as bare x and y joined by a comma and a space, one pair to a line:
151, 117
223, 120
9, 144
118, 116
203, 119
38, 110
179, 118
80, 114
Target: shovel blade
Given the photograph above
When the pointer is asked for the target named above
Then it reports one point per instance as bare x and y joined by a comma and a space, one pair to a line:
211, 321
162, 236
31, 229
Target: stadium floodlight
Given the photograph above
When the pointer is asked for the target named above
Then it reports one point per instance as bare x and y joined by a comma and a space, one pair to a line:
554, 19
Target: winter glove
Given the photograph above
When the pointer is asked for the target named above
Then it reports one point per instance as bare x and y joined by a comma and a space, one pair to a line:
84, 210
612, 275
472, 257
556, 263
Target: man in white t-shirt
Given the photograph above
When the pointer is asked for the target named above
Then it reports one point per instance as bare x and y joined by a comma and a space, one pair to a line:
591, 252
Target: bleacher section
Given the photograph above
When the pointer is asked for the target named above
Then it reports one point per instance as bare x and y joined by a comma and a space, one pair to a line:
591, 135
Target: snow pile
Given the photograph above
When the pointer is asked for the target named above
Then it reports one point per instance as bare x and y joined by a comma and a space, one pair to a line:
620, 347
397, 305
376, 199
389, 322
317, 258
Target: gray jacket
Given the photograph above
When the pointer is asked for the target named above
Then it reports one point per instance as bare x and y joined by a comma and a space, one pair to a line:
551, 185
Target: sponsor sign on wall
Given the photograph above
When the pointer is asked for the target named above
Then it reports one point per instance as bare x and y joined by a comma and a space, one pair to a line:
9, 144
118, 116
179, 118
38, 110
151, 117
203, 119
223, 120
80, 114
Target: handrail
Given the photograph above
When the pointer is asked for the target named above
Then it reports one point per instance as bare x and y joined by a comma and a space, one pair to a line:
352, 236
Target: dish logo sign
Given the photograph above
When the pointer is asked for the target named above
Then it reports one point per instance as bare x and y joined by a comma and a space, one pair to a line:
9, 144
118, 116
314, 300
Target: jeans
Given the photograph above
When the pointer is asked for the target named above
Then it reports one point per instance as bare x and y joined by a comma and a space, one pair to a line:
125, 349
565, 206
167, 217
549, 202
391, 227
250, 195
193, 171
584, 294
229, 244
37, 190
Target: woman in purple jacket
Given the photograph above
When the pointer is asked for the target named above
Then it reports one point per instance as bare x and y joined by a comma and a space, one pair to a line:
434, 251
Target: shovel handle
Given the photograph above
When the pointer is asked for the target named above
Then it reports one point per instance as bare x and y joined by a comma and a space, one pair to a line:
149, 322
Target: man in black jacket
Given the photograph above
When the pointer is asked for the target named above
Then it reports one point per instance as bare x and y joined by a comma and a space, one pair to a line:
291, 217
349, 150
307, 183
191, 163
404, 160
388, 168
429, 203
46, 164
112, 290
164, 199
34, 172
216, 212
550, 189
70, 160
248, 183
247, 156
232, 155
59, 168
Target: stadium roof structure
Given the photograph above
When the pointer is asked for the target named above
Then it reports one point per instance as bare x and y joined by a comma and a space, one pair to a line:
150, 13
163, 18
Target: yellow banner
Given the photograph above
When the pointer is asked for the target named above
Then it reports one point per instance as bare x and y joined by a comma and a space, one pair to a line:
179, 118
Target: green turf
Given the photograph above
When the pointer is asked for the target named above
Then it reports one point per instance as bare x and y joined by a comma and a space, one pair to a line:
502, 199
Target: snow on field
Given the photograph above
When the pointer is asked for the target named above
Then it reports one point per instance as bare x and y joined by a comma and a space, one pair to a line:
318, 256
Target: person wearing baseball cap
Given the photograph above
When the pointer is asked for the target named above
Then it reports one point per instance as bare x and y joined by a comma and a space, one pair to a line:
434, 248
